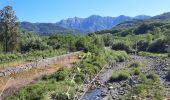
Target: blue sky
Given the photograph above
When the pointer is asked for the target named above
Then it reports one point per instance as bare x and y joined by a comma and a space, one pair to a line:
55, 10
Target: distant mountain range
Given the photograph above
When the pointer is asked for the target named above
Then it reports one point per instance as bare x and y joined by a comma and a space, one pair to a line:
160, 22
79, 25
96, 23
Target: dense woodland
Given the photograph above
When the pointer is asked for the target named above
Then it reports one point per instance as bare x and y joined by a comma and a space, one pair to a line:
151, 37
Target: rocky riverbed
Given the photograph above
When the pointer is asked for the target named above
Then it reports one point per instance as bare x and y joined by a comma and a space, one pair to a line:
105, 90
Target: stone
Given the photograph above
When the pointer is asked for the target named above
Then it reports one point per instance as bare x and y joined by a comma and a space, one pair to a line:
37, 63
110, 88
1, 74
103, 94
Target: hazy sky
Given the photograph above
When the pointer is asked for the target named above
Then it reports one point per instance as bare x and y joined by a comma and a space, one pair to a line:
55, 10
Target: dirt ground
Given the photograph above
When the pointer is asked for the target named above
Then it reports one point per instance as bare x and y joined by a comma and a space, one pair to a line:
12, 83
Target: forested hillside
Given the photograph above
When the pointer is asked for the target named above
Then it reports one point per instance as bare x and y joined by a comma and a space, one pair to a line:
155, 23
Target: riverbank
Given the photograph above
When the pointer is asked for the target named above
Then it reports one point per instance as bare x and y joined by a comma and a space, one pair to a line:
126, 88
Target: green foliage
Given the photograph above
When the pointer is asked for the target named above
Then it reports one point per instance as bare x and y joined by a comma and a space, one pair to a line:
60, 96
168, 76
61, 74
138, 89
60, 80
143, 78
29, 56
158, 46
153, 77
107, 38
82, 44
146, 27
142, 45
119, 56
135, 65
47, 29
137, 71
41, 90
63, 41
156, 55
120, 75
30, 41
121, 46
9, 29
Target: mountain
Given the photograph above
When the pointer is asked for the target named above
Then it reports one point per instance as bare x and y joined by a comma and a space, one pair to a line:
163, 17
96, 22
160, 22
46, 28
79, 25
142, 17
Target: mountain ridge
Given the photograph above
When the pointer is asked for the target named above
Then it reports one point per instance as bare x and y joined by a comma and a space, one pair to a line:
159, 22
78, 25
96, 23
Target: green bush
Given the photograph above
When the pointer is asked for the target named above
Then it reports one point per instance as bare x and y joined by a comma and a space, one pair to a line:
61, 74
29, 56
79, 78
135, 65
136, 71
138, 89
59, 96
142, 78
168, 76
153, 77
119, 56
158, 46
119, 76
141, 45
121, 46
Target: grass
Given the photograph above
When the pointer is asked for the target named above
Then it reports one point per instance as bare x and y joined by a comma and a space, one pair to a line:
149, 88
120, 75
135, 64
168, 75
12, 64
41, 89
56, 82
24, 78
155, 55
15, 59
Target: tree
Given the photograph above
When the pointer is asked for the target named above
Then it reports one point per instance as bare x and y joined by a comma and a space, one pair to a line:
168, 43
158, 46
31, 41
9, 27
107, 38
121, 46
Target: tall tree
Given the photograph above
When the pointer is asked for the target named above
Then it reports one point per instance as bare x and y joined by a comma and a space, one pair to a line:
9, 27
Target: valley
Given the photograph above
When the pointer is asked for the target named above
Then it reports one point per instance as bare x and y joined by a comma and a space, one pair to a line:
84, 58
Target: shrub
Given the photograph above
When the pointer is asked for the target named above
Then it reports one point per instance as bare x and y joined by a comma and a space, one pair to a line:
119, 76
143, 78
59, 96
119, 56
136, 72
168, 76
121, 46
141, 45
158, 46
61, 74
79, 78
138, 89
135, 65
153, 77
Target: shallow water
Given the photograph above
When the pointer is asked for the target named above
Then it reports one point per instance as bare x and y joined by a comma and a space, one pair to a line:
93, 94
162, 79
